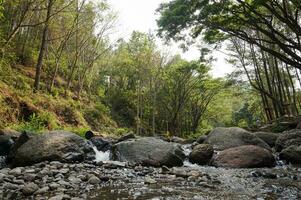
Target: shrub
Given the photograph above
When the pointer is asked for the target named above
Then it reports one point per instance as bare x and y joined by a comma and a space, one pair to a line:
37, 123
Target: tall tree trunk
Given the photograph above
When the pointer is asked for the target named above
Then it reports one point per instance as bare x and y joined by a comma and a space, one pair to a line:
43, 47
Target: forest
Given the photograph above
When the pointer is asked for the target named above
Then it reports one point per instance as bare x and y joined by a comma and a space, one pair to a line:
61, 69
93, 106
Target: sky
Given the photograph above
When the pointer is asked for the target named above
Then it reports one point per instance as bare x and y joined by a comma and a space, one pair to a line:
140, 15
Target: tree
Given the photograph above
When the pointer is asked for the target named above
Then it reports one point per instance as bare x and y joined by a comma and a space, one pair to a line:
43, 45
277, 20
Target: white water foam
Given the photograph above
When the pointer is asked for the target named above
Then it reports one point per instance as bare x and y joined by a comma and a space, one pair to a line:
99, 155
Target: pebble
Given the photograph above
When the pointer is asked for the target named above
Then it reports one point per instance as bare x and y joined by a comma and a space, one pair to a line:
57, 197
149, 180
29, 177
11, 186
30, 188
94, 180
15, 172
54, 186
42, 190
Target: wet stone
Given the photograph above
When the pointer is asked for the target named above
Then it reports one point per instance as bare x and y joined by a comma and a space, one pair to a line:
94, 180
42, 190
16, 171
30, 188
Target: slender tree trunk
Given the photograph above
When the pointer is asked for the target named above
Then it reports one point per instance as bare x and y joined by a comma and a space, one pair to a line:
43, 47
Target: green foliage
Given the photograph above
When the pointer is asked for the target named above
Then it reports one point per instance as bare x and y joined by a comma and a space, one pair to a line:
38, 123
78, 130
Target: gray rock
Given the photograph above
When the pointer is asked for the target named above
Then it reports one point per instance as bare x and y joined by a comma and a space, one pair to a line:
201, 154
288, 138
11, 186
57, 164
57, 197
178, 140
29, 171
1, 177
268, 137
225, 138
149, 180
94, 180
248, 156
64, 183
42, 190
54, 186
5, 170
148, 151
291, 154
74, 180
201, 139
30, 188
22, 139
11, 133
18, 181
29, 177
126, 137
52, 146
16, 171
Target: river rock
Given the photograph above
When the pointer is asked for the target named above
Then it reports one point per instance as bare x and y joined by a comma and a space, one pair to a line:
225, 138
22, 139
43, 190
288, 138
268, 137
16, 171
52, 146
101, 144
201, 154
11, 133
201, 139
291, 154
126, 137
94, 180
30, 188
148, 151
6, 143
178, 140
248, 156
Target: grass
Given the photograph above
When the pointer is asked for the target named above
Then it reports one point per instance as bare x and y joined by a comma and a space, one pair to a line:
21, 109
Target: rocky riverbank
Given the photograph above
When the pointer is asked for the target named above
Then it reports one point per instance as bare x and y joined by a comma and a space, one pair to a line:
229, 163
114, 180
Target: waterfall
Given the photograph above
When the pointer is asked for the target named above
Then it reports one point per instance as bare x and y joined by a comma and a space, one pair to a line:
187, 150
99, 155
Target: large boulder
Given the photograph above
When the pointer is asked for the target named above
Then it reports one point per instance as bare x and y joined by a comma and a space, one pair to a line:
225, 138
22, 139
126, 137
248, 156
52, 146
148, 151
201, 154
11, 133
6, 143
291, 154
268, 137
288, 138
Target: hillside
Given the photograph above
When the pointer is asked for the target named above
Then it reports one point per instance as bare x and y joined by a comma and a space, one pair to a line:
22, 109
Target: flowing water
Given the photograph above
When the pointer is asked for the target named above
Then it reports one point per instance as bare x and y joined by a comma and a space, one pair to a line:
281, 182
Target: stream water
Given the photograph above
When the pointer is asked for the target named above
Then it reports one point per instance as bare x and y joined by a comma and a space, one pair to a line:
281, 182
